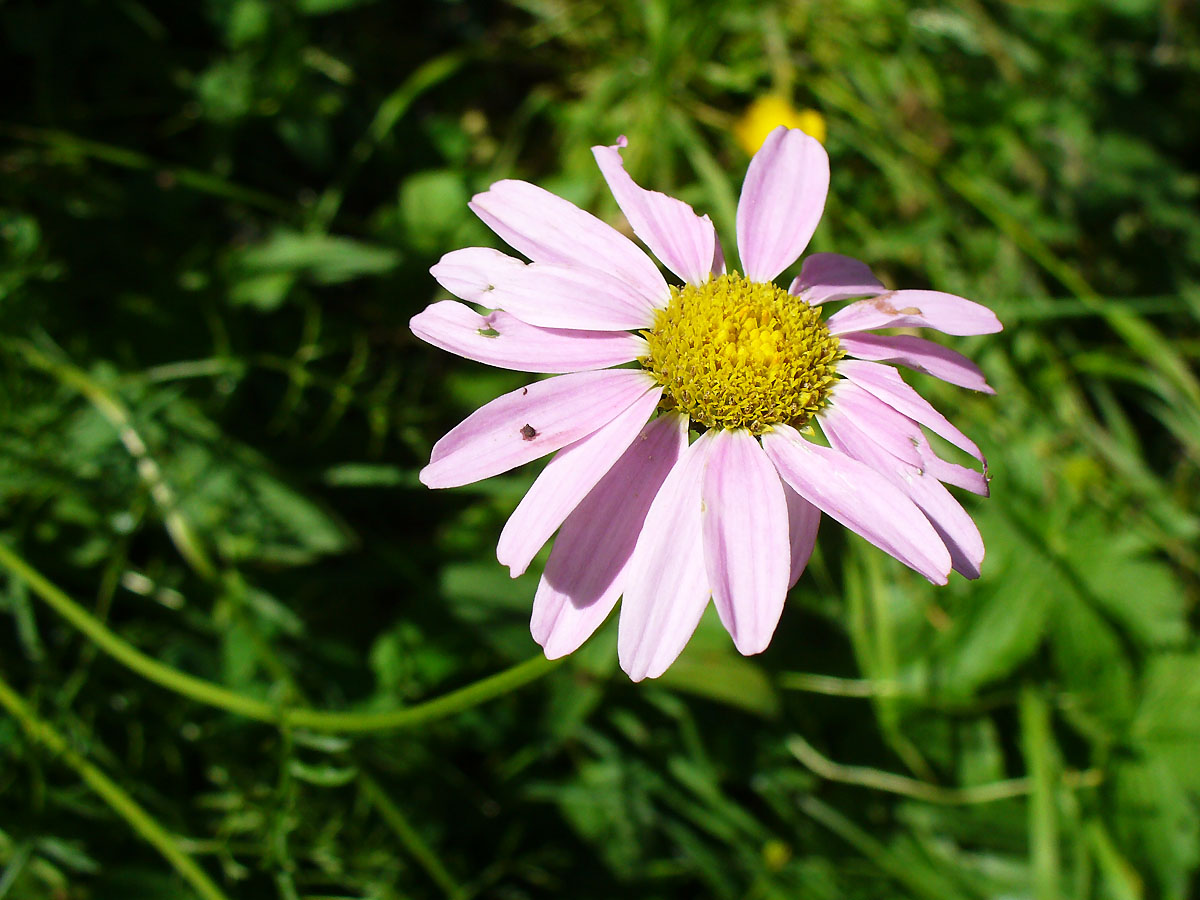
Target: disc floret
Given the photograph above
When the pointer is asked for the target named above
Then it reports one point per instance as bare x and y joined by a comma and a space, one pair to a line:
734, 353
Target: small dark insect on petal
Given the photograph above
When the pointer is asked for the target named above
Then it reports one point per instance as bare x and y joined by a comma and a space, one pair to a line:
528, 432
524, 391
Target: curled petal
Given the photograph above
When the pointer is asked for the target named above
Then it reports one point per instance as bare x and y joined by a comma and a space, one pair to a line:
549, 229
530, 422
502, 340
920, 354
745, 527
585, 572
861, 499
830, 276
782, 199
916, 309
875, 420
666, 588
952, 523
565, 481
684, 241
886, 384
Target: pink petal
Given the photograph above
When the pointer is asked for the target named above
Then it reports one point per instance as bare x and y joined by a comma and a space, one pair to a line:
666, 588
861, 499
920, 354
544, 294
549, 229
565, 481
554, 296
782, 199
499, 339
952, 523
916, 309
952, 473
531, 422
873, 419
684, 241
746, 548
831, 276
803, 521
886, 384
585, 572
718, 260
867, 415
472, 273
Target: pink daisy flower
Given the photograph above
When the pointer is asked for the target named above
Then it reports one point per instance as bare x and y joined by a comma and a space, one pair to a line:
641, 511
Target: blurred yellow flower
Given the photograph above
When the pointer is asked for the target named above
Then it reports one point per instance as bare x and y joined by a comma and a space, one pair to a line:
771, 111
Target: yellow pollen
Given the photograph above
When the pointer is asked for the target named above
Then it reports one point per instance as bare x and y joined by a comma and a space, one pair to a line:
733, 353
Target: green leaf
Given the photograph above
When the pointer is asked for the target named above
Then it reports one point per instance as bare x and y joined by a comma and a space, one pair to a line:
433, 206
248, 21
607, 805
1167, 724
484, 596
261, 271
1160, 822
1138, 591
324, 7
981, 758
709, 667
368, 475
997, 627
322, 775
226, 89
1094, 667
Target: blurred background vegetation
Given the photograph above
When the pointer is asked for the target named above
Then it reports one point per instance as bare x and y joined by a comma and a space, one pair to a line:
215, 222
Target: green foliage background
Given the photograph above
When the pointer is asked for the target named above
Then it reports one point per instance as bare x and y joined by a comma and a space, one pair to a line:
215, 222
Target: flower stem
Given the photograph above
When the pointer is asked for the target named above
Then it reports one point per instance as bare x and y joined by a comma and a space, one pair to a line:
408, 835
194, 179
1037, 744
464, 698
109, 405
42, 733
876, 779
393, 108
212, 694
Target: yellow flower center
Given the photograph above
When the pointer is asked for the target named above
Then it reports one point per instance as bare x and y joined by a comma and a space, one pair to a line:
734, 353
